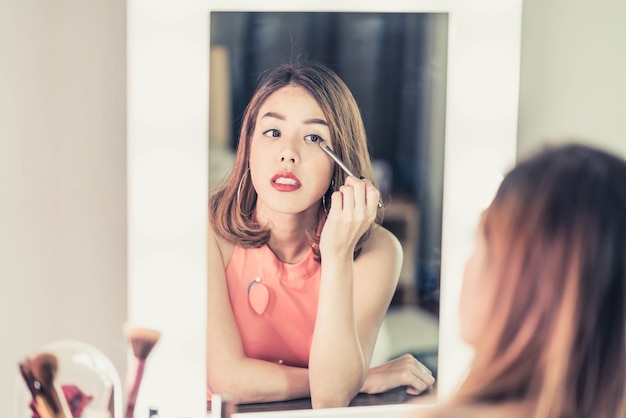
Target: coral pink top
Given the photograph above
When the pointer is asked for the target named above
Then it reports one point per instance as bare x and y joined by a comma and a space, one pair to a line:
274, 303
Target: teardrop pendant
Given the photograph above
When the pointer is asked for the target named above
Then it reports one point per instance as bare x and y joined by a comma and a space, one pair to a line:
258, 295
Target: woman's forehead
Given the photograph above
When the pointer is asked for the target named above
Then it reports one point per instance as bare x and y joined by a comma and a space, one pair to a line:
288, 96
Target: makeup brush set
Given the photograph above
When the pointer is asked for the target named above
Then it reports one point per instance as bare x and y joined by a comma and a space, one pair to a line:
49, 399
91, 393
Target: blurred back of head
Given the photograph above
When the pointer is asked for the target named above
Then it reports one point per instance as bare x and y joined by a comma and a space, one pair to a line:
556, 252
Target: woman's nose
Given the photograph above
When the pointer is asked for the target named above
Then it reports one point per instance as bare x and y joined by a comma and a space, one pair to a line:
288, 153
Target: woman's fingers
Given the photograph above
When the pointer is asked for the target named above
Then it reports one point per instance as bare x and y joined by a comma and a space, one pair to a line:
418, 385
360, 193
420, 378
353, 193
372, 196
348, 198
352, 211
418, 389
405, 371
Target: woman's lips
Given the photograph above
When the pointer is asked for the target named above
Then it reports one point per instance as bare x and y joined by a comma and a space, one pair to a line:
285, 182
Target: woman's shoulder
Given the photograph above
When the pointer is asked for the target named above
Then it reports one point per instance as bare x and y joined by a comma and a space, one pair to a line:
380, 260
381, 239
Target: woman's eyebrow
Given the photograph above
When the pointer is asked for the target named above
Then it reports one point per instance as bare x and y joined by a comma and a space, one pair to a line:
316, 121
280, 116
273, 115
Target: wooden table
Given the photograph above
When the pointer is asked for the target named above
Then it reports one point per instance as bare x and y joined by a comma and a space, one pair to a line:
394, 396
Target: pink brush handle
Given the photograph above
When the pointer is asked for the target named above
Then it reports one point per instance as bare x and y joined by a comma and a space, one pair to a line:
132, 385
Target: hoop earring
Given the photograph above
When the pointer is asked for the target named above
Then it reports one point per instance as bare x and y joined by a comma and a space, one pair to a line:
329, 192
239, 193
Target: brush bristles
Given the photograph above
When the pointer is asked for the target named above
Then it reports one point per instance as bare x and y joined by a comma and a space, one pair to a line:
29, 379
44, 367
142, 340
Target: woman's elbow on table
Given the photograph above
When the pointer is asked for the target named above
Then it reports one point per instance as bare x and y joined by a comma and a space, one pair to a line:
330, 400
327, 397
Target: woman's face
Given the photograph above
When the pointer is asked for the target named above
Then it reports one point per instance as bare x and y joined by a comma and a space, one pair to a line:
474, 292
289, 171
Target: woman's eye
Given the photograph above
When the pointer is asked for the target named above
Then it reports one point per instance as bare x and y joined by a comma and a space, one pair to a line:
272, 133
313, 138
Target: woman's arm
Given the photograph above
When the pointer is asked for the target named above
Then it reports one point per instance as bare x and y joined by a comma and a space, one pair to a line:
354, 295
404, 370
350, 313
229, 371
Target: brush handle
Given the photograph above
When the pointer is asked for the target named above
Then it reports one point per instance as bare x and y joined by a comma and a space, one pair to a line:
341, 164
40, 404
133, 382
43, 407
65, 407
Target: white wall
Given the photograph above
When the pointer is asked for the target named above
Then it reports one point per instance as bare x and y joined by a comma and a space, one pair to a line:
62, 179
573, 73
167, 79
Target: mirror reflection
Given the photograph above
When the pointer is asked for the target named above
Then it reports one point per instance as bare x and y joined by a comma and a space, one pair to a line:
395, 66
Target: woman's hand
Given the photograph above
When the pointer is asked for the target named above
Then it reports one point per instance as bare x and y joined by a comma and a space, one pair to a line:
352, 211
402, 371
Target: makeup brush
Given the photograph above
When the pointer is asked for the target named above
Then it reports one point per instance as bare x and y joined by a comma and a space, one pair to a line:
142, 340
45, 367
39, 403
340, 163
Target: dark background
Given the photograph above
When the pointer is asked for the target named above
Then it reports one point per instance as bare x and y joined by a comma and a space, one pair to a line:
394, 64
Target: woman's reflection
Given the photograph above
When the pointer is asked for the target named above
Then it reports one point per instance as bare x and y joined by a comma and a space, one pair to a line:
395, 66
300, 271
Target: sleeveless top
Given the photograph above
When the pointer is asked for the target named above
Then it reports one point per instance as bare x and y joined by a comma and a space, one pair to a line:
274, 303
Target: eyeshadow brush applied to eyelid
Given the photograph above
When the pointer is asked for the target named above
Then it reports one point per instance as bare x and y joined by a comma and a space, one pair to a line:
341, 164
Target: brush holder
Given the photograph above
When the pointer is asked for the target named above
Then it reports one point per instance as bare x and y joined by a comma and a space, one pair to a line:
88, 379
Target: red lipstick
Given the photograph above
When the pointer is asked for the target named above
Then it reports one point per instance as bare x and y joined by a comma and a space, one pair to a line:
285, 181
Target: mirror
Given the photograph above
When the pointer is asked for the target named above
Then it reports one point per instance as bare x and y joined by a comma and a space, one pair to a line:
168, 44
395, 66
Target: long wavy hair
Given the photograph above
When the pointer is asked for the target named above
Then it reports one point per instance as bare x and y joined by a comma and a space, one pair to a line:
556, 245
232, 205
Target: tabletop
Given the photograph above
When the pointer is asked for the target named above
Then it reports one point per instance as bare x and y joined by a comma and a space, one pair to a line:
394, 396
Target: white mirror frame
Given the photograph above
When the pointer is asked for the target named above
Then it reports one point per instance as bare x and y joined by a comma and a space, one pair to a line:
168, 54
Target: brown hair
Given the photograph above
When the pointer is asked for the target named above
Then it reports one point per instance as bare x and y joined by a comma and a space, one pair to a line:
556, 245
232, 205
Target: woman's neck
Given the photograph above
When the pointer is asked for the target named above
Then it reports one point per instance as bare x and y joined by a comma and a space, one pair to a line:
288, 238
